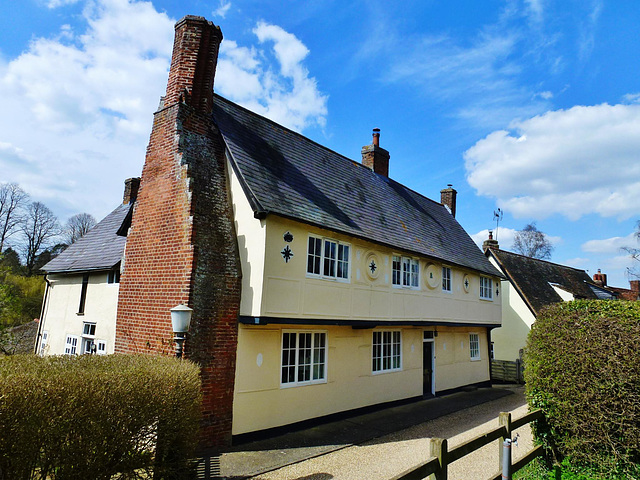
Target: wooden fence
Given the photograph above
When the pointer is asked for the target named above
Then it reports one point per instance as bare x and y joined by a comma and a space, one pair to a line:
441, 457
506, 371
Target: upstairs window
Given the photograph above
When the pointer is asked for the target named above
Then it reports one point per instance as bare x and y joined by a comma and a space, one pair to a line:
486, 291
114, 276
405, 272
304, 358
328, 258
446, 279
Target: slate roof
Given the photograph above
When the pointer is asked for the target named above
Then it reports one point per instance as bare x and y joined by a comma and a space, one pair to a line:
532, 278
287, 174
100, 249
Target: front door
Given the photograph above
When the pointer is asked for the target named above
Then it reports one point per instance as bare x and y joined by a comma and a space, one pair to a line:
427, 369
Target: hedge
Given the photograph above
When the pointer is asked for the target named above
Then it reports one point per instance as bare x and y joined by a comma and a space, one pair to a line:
583, 371
97, 417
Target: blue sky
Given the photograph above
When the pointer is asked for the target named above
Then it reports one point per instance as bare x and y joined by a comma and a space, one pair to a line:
530, 106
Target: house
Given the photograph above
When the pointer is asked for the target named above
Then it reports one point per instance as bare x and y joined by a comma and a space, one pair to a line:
81, 294
529, 285
631, 294
318, 284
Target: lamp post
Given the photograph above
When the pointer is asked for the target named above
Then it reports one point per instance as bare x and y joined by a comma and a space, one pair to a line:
180, 321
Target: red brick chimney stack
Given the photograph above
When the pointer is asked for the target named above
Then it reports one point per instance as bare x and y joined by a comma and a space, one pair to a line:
193, 63
448, 198
635, 286
600, 278
490, 242
374, 157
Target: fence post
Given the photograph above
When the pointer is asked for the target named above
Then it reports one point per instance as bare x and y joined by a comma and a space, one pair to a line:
506, 460
439, 450
505, 421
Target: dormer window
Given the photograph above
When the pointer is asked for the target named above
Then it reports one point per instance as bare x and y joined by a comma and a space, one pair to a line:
328, 258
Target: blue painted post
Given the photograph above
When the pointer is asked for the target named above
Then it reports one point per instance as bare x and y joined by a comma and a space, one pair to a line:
506, 460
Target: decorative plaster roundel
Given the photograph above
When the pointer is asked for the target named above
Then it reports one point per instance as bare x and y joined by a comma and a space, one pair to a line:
466, 283
372, 265
432, 275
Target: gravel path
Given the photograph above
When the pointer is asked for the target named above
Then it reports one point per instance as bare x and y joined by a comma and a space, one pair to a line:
385, 457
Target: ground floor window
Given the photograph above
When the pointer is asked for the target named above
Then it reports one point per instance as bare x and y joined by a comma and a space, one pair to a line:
387, 351
304, 358
71, 345
474, 346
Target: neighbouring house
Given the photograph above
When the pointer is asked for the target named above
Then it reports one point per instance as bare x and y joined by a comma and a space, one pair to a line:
631, 294
318, 284
529, 285
81, 295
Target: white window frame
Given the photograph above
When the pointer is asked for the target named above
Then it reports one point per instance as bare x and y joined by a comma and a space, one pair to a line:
317, 360
486, 288
405, 272
474, 347
101, 347
88, 337
386, 351
329, 262
447, 276
44, 339
71, 345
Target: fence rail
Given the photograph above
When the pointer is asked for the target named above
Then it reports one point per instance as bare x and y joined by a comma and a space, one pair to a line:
441, 457
506, 371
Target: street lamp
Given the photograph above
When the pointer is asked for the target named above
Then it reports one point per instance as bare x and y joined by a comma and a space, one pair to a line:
180, 321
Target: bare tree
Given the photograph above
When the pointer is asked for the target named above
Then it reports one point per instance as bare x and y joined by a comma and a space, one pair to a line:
634, 253
77, 226
39, 226
531, 242
12, 201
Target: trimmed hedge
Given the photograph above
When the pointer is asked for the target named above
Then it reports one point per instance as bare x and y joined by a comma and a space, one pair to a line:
583, 370
126, 416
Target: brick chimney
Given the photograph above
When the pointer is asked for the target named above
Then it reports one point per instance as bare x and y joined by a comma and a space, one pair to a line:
131, 186
448, 199
490, 242
182, 245
634, 285
193, 63
600, 278
374, 157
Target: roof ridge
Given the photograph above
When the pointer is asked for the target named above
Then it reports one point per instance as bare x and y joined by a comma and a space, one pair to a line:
537, 259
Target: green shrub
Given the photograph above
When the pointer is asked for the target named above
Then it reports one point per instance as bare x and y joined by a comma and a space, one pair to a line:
583, 371
97, 417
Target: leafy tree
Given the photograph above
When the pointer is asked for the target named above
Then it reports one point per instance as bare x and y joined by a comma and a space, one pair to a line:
40, 226
11, 260
77, 226
531, 242
12, 201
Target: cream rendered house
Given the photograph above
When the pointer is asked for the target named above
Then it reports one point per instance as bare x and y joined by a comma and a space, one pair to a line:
356, 290
82, 283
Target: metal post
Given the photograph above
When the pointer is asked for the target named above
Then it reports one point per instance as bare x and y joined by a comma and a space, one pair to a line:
179, 338
506, 460
505, 421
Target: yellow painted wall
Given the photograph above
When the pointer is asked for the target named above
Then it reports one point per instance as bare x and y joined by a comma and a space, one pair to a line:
290, 293
260, 401
61, 317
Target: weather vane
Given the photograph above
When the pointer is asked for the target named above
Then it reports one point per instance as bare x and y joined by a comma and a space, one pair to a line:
497, 215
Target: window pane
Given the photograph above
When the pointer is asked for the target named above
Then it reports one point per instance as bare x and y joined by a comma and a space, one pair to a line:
396, 270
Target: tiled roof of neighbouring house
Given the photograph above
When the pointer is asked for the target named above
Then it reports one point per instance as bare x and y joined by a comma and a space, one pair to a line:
100, 249
287, 174
533, 278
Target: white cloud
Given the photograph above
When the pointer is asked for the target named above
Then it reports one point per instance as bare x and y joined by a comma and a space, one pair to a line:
570, 162
77, 106
222, 10
274, 83
610, 245
60, 3
506, 237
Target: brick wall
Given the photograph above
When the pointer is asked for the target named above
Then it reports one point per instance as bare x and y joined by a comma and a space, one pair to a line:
181, 247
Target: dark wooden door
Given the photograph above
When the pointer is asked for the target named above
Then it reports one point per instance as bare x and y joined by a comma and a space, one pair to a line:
427, 369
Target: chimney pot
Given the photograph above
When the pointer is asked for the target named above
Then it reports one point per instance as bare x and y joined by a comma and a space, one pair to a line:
490, 243
131, 187
374, 157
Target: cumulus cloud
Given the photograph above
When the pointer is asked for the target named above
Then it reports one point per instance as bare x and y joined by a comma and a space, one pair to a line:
506, 237
568, 162
610, 245
272, 82
222, 9
78, 105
